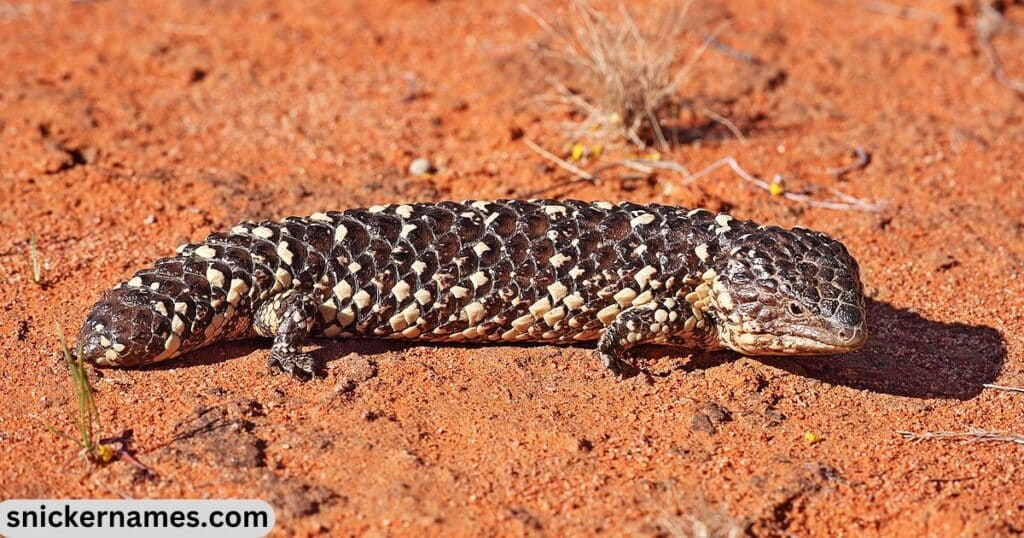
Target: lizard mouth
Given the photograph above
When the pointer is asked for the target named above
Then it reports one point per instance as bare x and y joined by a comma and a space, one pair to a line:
805, 343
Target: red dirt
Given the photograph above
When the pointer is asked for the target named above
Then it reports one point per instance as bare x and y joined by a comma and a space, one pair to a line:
128, 127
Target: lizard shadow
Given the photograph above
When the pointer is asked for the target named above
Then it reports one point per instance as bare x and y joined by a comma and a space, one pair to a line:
906, 355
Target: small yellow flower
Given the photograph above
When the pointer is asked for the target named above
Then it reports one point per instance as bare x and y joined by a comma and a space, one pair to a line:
577, 151
775, 189
812, 438
596, 151
105, 452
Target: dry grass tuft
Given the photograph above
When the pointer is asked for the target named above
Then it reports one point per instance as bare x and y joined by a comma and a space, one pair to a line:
632, 69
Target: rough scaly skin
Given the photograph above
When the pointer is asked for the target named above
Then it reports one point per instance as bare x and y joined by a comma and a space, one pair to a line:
503, 271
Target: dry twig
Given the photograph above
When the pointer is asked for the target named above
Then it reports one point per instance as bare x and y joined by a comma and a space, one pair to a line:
863, 160
972, 435
727, 123
989, 24
841, 202
562, 163
647, 166
744, 57
1003, 387
904, 12
35, 261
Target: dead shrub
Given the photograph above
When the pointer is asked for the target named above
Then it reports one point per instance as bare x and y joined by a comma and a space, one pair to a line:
631, 67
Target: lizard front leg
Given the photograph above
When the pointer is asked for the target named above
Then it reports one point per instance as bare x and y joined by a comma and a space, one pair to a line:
288, 319
664, 320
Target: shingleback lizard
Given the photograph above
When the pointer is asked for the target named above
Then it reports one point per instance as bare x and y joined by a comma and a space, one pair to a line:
552, 271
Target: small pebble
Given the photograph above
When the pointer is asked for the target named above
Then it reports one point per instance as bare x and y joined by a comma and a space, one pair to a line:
702, 423
356, 368
420, 167
717, 413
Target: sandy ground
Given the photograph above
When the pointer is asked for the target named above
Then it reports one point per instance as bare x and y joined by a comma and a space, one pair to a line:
129, 127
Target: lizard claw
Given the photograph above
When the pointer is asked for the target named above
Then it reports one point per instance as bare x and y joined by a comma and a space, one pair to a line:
615, 365
302, 366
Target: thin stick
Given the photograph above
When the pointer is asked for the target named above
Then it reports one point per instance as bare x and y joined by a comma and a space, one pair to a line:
1003, 387
989, 24
745, 57
904, 12
35, 261
725, 122
972, 435
845, 202
120, 446
863, 160
848, 203
646, 167
727, 161
656, 126
562, 163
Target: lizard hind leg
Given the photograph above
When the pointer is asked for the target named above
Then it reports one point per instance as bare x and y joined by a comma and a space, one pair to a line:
289, 319
656, 322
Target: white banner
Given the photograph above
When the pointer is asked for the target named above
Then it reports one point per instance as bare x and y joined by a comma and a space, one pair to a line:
114, 518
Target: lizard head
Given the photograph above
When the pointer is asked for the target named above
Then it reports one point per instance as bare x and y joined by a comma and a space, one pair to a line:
783, 292
127, 327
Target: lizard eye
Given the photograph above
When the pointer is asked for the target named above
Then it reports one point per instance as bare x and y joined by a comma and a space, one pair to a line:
795, 309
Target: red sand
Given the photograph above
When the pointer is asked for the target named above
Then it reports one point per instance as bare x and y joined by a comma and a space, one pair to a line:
129, 127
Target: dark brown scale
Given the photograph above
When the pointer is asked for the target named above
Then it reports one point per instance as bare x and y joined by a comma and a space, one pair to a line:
264, 251
403, 256
534, 225
492, 255
469, 229
367, 269
379, 251
615, 227
517, 248
356, 237
446, 246
240, 261
585, 215
526, 273
467, 261
431, 264
365, 316
541, 251
384, 227
421, 237
504, 223
438, 217
437, 314
297, 262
